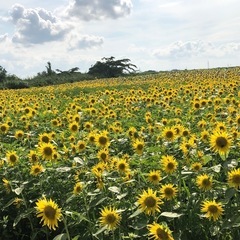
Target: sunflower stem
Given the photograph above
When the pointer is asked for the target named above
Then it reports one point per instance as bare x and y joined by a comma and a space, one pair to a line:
66, 228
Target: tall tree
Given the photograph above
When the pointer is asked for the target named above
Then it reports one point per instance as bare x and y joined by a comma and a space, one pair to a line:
3, 74
109, 67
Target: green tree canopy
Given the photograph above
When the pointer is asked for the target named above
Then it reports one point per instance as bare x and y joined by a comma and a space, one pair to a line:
3, 74
109, 67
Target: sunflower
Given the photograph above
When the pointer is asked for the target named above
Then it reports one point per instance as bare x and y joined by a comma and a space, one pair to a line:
169, 134
49, 212
98, 168
44, 137
149, 202
159, 231
47, 151
12, 157
169, 164
234, 178
74, 127
220, 142
197, 166
122, 165
81, 145
212, 209
4, 127
36, 169
19, 134
103, 154
154, 176
110, 218
102, 139
33, 157
204, 182
138, 145
77, 188
168, 191
7, 185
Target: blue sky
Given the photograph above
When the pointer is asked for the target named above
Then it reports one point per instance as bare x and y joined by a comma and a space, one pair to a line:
153, 34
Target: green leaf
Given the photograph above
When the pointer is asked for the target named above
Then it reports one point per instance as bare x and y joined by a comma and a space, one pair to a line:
19, 190
62, 236
100, 231
171, 214
216, 168
137, 212
21, 216
9, 203
207, 158
76, 237
114, 189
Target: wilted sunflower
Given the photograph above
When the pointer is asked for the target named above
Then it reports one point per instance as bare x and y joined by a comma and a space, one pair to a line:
36, 169
110, 218
149, 202
47, 151
204, 182
138, 145
220, 142
49, 212
154, 176
212, 209
168, 191
12, 157
7, 185
234, 178
169, 164
159, 231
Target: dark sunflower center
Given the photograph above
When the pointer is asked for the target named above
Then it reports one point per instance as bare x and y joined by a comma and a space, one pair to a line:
154, 177
236, 179
122, 166
185, 133
103, 156
50, 212
170, 166
3, 128
103, 140
74, 127
110, 218
36, 170
206, 182
169, 191
221, 142
81, 146
161, 234
213, 209
169, 134
13, 158
48, 151
150, 202
139, 146
45, 139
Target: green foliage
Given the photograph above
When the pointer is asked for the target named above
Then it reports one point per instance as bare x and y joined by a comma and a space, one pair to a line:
109, 67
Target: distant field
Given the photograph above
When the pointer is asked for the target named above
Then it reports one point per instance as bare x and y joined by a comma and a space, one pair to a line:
153, 156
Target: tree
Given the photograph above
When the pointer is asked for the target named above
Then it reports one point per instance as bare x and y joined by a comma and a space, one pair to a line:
49, 69
109, 67
3, 74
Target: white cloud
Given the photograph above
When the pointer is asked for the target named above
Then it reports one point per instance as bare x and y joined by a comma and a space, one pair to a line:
98, 9
35, 26
179, 50
84, 41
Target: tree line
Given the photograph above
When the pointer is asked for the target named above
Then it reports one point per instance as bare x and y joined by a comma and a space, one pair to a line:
107, 67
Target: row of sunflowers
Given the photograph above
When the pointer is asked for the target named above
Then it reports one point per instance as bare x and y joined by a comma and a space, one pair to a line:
146, 157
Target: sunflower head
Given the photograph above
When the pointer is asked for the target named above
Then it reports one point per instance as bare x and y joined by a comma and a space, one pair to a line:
159, 231
168, 191
169, 164
154, 176
234, 178
149, 202
204, 182
49, 212
110, 218
212, 209
12, 157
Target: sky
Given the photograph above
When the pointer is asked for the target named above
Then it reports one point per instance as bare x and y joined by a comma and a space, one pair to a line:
154, 34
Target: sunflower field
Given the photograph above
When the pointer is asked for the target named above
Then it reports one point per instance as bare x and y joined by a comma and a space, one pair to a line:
144, 157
